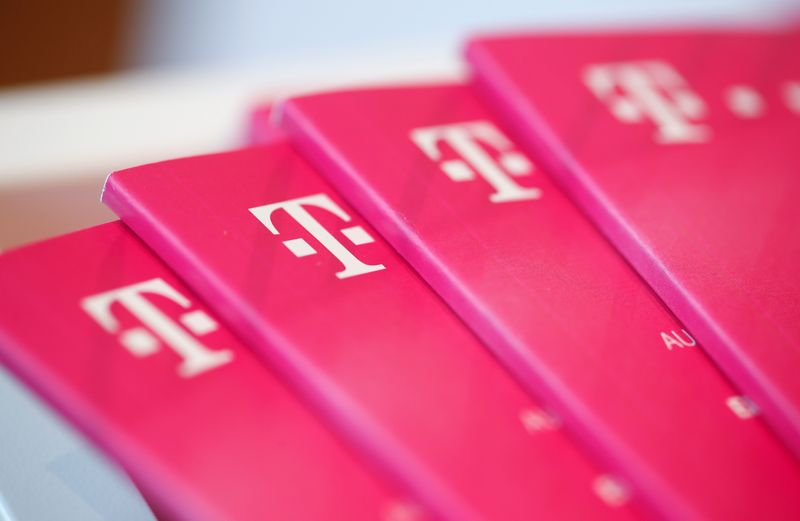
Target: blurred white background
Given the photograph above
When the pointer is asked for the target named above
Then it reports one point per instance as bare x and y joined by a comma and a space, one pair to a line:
202, 33
185, 73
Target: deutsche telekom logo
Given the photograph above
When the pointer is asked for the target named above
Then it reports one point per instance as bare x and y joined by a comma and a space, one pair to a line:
156, 327
650, 90
297, 210
468, 140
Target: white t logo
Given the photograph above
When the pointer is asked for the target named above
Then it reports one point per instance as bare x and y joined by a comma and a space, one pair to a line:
296, 208
465, 139
653, 90
144, 341
792, 93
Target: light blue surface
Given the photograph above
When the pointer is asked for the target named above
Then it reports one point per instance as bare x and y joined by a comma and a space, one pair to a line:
49, 472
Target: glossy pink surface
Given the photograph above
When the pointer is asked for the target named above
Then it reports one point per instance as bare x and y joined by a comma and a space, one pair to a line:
378, 353
710, 223
228, 443
550, 297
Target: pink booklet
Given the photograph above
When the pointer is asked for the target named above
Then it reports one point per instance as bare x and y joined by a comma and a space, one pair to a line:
551, 298
318, 295
106, 334
683, 149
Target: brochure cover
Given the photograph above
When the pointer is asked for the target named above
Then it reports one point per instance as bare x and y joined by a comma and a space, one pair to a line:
319, 296
682, 148
106, 334
552, 299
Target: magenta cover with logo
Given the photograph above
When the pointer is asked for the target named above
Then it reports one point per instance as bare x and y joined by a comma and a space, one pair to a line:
551, 298
683, 149
319, 296
106, 334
